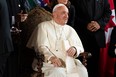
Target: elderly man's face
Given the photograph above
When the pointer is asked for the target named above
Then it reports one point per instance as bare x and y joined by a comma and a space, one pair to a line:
61, 15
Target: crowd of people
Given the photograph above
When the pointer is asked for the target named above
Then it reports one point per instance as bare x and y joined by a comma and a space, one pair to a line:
81, 22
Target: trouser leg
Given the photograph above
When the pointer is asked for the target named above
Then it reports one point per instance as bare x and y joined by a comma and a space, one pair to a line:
3, 59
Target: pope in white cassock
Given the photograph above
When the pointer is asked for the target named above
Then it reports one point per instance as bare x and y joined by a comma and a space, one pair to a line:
60, 45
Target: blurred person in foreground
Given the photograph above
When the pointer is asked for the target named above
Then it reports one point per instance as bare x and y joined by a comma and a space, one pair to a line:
6, 46
60, 45
17, 15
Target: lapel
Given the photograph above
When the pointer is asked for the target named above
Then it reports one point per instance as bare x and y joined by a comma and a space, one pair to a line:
84, 2
88, 9
93, 13
14, 6
98, 7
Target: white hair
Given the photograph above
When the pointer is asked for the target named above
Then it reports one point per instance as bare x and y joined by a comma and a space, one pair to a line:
57, 6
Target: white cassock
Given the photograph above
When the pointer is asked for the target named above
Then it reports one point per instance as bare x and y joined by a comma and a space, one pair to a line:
50, 38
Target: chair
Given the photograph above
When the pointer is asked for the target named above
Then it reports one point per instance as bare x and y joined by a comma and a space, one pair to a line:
35, 16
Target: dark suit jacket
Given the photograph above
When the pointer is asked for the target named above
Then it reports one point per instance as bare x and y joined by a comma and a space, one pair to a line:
15, 7
98, 11
71, 15
112, 45
5, 35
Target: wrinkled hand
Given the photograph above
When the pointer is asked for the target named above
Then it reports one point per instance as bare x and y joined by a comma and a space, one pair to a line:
71, 51
93, 26
56, 61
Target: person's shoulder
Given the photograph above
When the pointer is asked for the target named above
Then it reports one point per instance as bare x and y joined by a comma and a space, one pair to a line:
44, 23
69, 27
72, 6
69, 30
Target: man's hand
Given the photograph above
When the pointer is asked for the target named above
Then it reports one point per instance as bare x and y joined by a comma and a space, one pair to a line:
93, 26
22, 16
71, 51
56, 61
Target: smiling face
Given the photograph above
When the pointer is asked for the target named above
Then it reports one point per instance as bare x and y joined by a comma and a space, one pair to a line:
63, 1
60, 15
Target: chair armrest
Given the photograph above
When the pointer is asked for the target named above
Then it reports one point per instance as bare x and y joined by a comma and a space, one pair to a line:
40, 59
84, 56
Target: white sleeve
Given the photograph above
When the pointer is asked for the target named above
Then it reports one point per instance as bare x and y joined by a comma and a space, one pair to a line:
39, 41
76, 42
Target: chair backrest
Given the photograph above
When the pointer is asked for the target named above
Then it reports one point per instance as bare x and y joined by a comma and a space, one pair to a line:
35, 16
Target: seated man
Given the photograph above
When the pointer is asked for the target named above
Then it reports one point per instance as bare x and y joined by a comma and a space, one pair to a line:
60, 45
